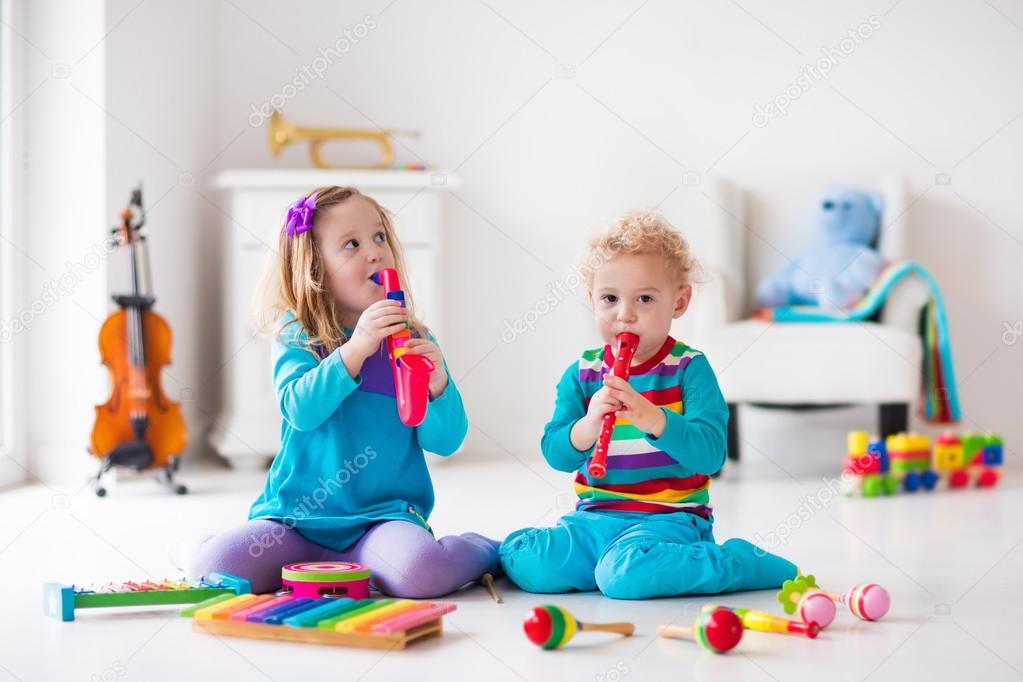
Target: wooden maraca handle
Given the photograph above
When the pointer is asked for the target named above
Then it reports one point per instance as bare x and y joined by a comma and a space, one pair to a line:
675, 631
621, 628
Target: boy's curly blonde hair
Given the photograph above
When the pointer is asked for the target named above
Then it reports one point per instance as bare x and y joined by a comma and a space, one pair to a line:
641, 232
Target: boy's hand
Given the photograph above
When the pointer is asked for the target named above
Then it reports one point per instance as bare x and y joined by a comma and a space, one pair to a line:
585, 432
601, 403
646, 416
439, 377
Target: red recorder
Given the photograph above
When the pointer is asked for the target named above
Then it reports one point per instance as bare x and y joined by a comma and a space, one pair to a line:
626, 342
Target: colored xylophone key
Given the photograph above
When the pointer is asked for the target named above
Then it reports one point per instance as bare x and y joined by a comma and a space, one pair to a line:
366, 619
310, 617
189, 611
272, 603
227, 606
312, 612
290, 608
331, 623
411, 619
237, 607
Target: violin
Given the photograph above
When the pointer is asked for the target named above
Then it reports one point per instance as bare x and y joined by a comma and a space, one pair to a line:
138, 427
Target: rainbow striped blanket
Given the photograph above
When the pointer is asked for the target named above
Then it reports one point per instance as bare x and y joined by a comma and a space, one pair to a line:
940, 402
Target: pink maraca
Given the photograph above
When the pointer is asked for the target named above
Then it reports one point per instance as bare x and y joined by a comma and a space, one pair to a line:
817, 606
867, 601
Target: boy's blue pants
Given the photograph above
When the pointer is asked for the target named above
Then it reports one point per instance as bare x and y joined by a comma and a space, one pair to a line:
629, 555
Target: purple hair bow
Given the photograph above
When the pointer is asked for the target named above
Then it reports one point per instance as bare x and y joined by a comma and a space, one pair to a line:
300, 216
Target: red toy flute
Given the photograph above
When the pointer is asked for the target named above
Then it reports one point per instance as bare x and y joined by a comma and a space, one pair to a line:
411, 371
627, 342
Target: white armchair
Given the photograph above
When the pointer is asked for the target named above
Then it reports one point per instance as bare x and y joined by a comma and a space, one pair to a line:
799, 365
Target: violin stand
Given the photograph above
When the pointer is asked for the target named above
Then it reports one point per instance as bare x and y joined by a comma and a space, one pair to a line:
133, 461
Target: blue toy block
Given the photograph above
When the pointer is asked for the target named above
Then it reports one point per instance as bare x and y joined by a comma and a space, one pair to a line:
59, 601
878, 449
993, 455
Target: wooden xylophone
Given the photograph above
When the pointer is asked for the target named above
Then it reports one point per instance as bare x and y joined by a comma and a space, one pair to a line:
368, 623
60, 601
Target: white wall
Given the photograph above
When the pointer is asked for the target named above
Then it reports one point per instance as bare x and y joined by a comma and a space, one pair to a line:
161, 60
655, 91
558, 117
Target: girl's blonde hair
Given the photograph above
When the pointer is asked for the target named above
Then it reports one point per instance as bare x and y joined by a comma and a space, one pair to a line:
641, 232
295, 280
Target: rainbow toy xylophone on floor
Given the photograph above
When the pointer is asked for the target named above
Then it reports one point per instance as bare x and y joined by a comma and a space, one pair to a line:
368, 623
60, 601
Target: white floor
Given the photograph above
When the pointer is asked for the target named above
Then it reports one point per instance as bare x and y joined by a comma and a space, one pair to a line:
952, 562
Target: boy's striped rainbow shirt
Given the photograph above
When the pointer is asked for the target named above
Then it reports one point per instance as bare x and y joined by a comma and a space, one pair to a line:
640, 477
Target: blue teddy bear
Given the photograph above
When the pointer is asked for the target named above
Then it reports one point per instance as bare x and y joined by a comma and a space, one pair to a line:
840, 267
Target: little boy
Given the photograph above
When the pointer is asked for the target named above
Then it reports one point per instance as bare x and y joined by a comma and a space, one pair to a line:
645, 528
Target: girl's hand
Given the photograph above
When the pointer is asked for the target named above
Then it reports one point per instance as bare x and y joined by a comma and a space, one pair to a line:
646, 416
439, 377
376, 323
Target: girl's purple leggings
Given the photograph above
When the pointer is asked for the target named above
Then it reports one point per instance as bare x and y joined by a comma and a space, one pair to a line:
405, 560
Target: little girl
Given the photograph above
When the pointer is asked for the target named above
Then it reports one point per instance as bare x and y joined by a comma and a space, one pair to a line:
350, 482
